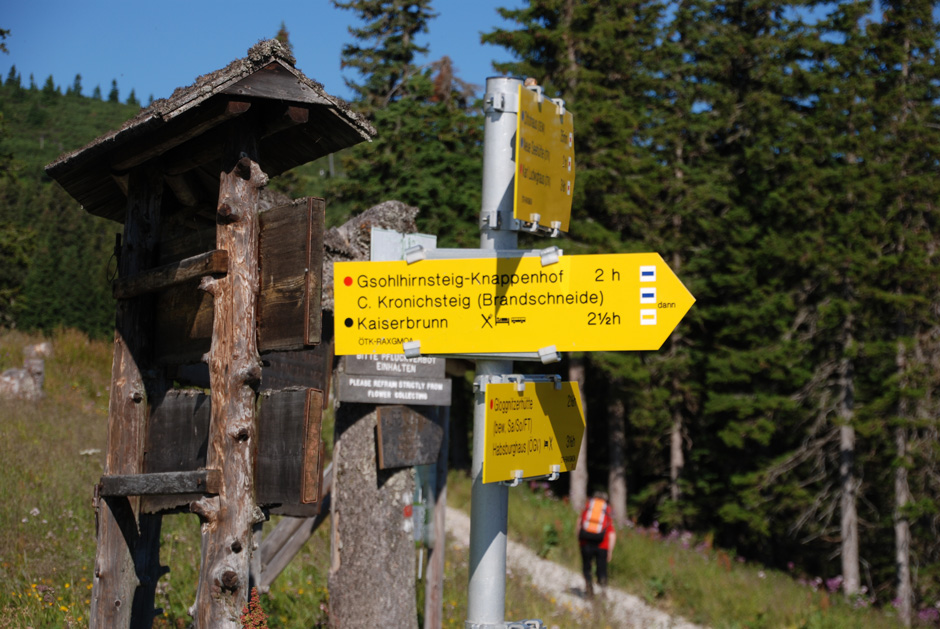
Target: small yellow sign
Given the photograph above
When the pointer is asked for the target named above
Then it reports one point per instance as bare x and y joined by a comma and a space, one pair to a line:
614, 302
544, 161
528, 432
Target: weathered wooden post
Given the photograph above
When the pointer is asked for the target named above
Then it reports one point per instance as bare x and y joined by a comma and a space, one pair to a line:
234, 377
115, 580
184, 177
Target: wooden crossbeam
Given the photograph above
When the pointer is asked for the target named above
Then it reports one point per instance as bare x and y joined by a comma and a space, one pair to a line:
163, 277
161, 483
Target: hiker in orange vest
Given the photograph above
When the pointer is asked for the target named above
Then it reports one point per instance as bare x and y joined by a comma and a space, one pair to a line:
597, 537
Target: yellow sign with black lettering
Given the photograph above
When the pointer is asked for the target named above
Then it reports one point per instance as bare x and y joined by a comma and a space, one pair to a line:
544, 180
614, 302
530, 431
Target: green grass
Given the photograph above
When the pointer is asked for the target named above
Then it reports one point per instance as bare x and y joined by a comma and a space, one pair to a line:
682, 576
52, 454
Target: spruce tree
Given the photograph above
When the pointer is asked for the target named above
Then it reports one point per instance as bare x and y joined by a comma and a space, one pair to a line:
428, 149
385, 48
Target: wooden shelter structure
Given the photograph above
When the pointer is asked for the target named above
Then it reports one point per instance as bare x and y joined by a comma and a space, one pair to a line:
208, 272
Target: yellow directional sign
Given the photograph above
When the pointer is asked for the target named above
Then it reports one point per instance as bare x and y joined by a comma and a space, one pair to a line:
544, 161
485, 305
528, 432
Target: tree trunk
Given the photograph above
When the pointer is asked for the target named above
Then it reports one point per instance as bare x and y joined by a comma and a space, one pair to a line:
578, 487
902, 497
676, 456
617, 476
234, 376
115, 583
372, 568
849, 482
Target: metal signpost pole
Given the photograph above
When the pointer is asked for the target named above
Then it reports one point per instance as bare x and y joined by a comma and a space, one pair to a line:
489, 508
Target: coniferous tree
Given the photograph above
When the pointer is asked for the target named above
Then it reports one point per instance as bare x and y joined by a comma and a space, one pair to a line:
385, 48
113, 95
284, 37
428, 149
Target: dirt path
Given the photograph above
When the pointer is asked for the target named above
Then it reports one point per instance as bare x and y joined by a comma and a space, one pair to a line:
567, 586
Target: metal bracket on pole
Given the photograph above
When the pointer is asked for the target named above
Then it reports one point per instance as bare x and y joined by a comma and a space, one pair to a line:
491, 220
412, 349
556, 229
560, 104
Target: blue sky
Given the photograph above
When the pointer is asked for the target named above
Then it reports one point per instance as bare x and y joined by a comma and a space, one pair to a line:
157, 47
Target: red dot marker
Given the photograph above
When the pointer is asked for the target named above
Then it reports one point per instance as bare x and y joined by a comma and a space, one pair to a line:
348, 281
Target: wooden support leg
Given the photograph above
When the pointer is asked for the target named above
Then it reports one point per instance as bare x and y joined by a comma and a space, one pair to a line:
116, 576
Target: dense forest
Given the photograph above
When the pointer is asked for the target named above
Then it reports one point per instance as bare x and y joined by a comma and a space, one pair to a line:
783, 159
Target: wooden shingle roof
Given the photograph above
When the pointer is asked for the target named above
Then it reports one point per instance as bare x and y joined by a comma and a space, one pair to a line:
185, 135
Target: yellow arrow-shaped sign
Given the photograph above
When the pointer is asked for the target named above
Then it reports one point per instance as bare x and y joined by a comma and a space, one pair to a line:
608, 302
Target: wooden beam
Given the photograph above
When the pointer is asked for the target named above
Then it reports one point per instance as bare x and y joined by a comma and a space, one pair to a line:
291, 116
185, 193
203, 121
163, 277
161, 483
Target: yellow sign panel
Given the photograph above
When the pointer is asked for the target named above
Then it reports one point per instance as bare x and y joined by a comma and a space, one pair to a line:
487, 305
544, 162
528, 432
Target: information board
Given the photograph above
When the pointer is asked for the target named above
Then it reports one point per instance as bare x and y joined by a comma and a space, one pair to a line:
487, 305
544, 179
531, 430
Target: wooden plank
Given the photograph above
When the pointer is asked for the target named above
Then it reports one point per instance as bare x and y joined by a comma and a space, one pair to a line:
313, 447
289, 304
311, 367
287, 469
178, 432
291, 275
182, 324
169, 275
161, 484
407, 437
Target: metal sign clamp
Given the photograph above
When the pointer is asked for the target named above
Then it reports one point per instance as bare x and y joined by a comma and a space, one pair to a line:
550, 255
411, 349
531, 623
519, 476
415, 254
